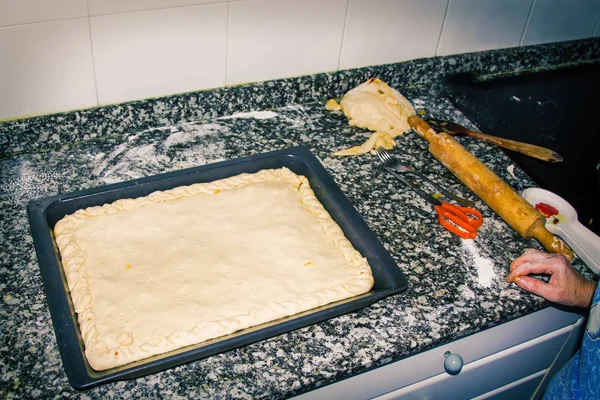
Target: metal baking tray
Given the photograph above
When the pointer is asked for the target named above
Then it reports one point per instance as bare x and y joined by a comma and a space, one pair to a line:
44, 213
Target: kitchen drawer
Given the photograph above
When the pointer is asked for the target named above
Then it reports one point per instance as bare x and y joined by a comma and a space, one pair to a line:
430, 364
489, 373
521, 389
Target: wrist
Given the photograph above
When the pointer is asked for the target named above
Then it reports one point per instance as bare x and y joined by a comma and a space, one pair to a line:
587, 295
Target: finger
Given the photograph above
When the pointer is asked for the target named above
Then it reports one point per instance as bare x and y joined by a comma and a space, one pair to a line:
528, 256
544, 266
535, 286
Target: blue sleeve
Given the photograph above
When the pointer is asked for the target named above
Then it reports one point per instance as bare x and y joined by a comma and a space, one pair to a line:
579, 378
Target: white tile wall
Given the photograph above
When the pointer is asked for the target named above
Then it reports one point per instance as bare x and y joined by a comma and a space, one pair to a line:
476, 25
100, 7
143, 48
559, 20
45, 68
386, 31
159, 52
14, 12
280, 38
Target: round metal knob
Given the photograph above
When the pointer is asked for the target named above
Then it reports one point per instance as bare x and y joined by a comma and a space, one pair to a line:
453, 363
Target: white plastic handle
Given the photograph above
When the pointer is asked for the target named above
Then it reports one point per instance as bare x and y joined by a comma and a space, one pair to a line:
582, 240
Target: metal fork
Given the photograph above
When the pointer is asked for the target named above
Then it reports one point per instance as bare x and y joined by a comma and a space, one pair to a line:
389, 161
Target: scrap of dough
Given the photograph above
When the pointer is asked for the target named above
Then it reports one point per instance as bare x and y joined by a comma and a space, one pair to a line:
332, 105
377, 139
375, 106
182, 266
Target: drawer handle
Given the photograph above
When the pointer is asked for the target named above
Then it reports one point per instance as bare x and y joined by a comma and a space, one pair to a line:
453, 363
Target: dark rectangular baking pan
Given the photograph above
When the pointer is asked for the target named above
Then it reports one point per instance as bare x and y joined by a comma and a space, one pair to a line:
44, 213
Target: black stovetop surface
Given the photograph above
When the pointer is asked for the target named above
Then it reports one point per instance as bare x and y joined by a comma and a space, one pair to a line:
555, 109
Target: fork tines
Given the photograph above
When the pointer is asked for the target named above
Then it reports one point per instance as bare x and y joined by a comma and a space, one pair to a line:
384, 156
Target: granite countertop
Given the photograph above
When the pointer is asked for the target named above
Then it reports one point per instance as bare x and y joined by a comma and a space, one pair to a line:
455, 289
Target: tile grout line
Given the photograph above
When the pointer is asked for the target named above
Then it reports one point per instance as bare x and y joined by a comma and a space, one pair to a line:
527, 23
343, 35
227, 33
159, 8
46, 21
89, 18
437, 48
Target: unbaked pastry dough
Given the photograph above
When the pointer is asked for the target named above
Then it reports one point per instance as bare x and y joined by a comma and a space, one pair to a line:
375, 106
186, 265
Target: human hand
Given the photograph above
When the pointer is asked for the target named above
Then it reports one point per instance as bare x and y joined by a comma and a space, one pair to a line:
566, 286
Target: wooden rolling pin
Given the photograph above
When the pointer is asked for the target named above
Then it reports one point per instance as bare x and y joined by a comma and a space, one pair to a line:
490, 188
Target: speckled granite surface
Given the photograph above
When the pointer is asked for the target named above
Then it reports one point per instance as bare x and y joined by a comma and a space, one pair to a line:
450, 295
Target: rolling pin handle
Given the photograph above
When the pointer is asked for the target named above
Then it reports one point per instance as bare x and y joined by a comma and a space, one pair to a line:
550, 242
422, 128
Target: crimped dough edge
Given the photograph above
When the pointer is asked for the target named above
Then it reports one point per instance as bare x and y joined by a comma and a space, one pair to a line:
101, 357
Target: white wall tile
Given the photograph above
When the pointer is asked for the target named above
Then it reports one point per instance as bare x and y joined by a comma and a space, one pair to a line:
46, 67
14, 12
271, 39
385, 31
102, 7
477, 25
559, 20
159, 52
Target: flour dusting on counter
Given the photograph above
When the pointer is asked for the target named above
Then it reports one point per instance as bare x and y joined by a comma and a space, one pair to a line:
28, 181
252, 114
183, 146
485, 266
511, 170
